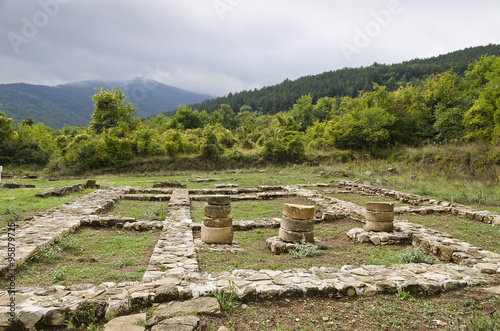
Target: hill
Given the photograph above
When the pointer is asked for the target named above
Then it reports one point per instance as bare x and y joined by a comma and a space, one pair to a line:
347, 81
71, 104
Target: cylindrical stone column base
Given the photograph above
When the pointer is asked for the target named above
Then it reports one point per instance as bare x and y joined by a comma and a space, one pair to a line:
217, 211
291, 224
379, 226
298, 212
217, 235
218, 222
293, 236
382, 216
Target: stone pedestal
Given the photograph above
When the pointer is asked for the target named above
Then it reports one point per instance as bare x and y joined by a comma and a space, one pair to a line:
217, 225
297, 223
379, 216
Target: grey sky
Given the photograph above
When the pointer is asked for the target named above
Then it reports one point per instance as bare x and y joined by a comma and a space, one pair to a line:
221, 46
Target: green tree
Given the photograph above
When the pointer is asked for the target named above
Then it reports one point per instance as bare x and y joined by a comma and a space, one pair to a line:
111, 109
302, 111
224, 116
362, 127
6, 129
482, 120
187, 118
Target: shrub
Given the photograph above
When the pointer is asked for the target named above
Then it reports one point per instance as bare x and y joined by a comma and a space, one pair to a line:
212, 149
12, 215
286, 149
304, 249
415, 255
47, 254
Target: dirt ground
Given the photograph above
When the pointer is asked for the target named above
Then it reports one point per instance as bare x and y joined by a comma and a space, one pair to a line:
447, 311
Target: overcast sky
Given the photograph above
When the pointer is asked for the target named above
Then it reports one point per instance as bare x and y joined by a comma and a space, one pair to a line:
222, 46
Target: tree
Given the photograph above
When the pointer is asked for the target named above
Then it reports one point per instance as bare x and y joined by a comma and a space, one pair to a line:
186, 118
224, 116
110, 110
302, 111
6, 129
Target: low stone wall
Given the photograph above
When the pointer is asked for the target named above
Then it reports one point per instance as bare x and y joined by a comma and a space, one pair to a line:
426, 205
42, 230
173, 272
62, 191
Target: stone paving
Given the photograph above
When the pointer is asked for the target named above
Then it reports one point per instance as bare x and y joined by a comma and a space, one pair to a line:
173, 272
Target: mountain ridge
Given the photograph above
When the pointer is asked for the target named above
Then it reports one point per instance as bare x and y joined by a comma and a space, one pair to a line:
347, 81
71, 104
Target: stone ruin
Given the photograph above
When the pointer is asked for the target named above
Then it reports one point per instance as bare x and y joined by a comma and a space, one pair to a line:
379, 216
297, 223
173, 274
296, 226
217, 225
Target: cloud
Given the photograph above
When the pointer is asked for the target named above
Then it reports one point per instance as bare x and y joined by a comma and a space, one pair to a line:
221, 46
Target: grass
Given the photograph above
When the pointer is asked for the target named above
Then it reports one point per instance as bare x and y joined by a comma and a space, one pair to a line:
476, 233
24, 201
363, 199
91, 256
125, 258
141, 210
342, 251
400, 311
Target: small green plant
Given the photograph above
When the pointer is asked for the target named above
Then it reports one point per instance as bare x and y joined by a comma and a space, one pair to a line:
156, 213
415, 255
73, 323
470, 303
47, 254
479, 322
304, 249
67, 242
58, 273
227, 300
122, 262
402, 294
12, 214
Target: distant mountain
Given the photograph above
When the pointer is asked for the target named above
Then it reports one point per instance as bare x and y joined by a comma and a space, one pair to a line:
347, 81
71, 104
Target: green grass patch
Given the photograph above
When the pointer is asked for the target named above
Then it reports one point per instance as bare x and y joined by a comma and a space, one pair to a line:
361, 199
341, 251
475, 233
141, 210
27, 204
91, 256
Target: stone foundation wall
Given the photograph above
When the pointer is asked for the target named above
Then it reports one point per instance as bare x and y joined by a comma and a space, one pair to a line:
173, 272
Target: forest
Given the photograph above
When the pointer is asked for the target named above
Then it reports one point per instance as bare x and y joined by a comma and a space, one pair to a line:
441, 109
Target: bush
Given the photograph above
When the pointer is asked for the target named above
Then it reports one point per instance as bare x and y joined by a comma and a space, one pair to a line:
211, 150
287, 149
12, 215
415, 255
304, 249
